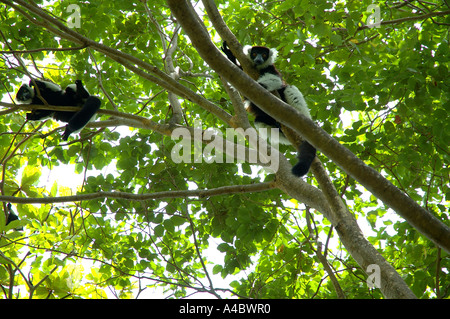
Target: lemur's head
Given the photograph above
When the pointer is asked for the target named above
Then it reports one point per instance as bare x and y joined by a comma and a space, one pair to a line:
261, 57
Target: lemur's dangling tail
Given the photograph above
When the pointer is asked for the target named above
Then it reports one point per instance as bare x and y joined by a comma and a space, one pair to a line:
306, 155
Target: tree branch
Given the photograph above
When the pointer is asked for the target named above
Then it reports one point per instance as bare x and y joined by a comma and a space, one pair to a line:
199, 193
414, 18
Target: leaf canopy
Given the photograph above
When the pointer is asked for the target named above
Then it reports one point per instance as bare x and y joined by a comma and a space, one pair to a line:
382, 92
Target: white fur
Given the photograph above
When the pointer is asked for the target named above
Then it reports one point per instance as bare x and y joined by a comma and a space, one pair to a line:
272, 57
247, 104
52, 86
73, 87
271, 81
246, 50
295, 98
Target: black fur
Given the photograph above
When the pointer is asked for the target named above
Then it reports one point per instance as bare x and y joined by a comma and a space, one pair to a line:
11, 216
306, 155
228, 53
37, 91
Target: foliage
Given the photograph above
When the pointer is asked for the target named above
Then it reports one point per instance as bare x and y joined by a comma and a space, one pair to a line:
383, 92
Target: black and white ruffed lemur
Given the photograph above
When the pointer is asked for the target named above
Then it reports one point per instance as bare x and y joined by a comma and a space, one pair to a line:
270, 78
73, 95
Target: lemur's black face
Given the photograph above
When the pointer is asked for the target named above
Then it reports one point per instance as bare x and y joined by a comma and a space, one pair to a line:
259, 55
25, 94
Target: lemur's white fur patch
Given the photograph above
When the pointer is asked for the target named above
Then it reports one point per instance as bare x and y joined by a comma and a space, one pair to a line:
52, 86
247, 49
272, 58
295, 99
72, 86
271, 81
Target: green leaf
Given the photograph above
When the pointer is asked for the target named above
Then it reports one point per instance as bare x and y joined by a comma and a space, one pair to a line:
159, 231
30, 176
